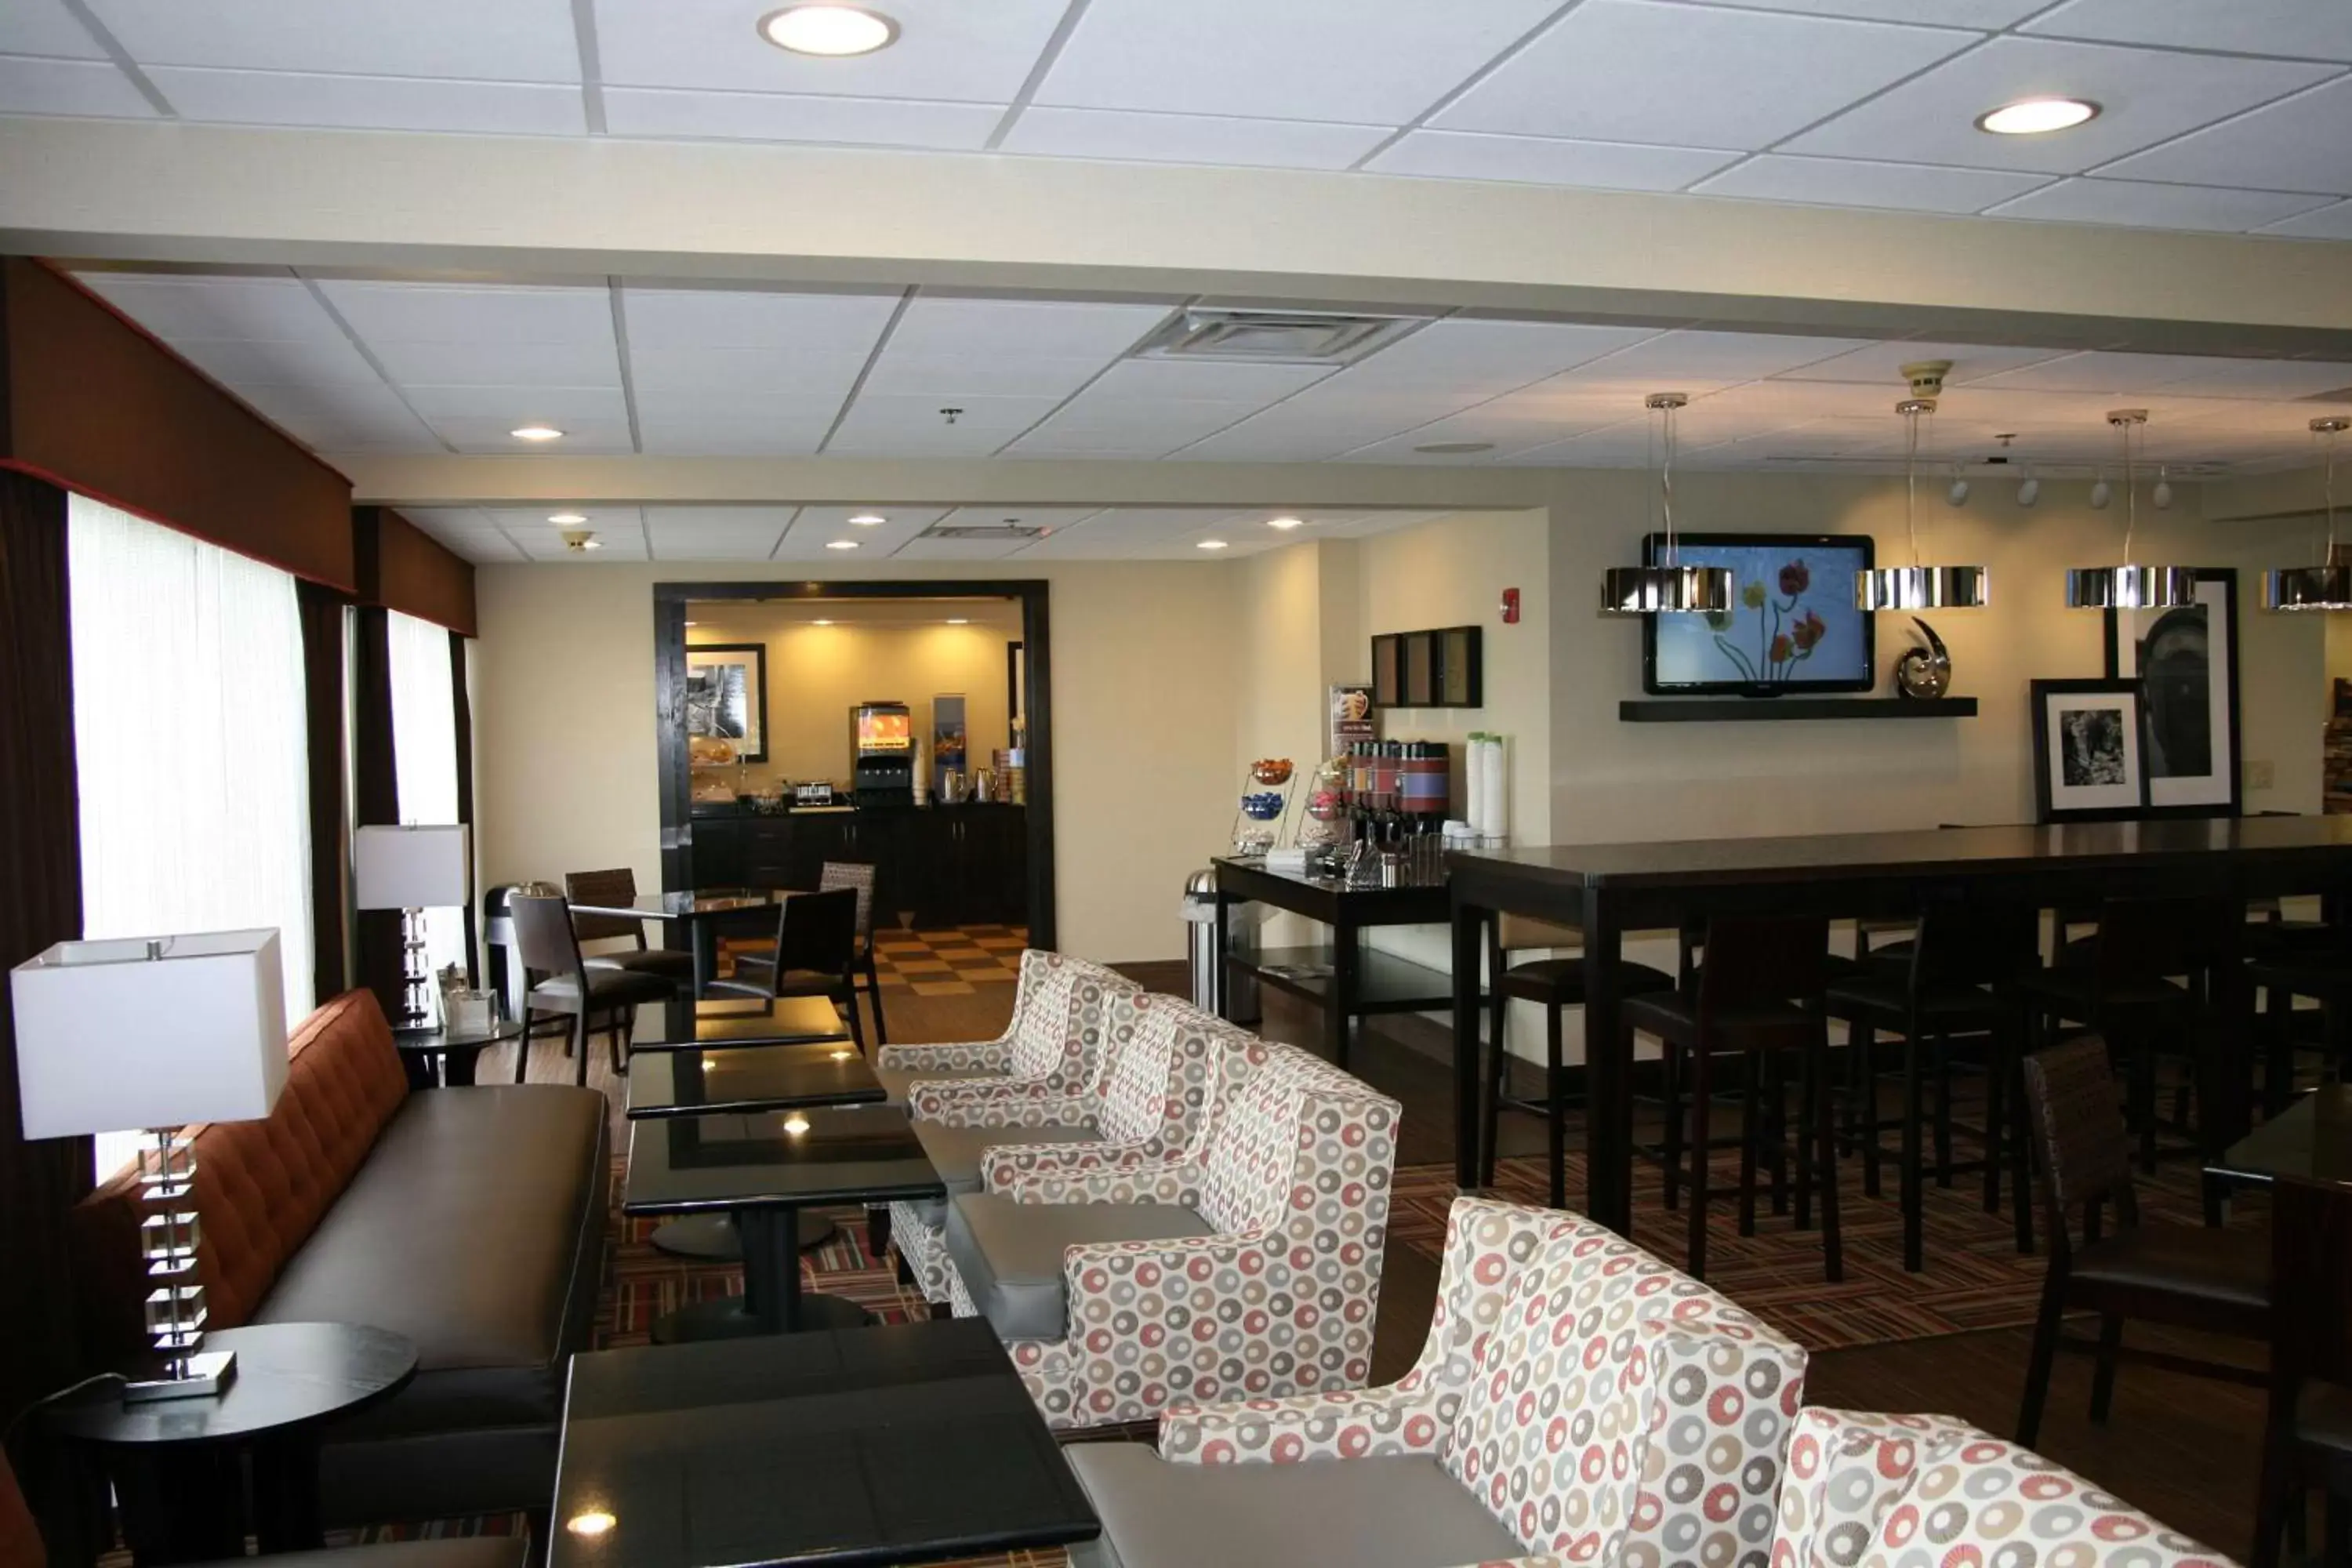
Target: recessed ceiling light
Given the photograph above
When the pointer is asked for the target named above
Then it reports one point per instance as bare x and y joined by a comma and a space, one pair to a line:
1284, 523
1211, 544
591, 545
829, 30
1456, 448
840, 544
2033, 116
957, 621
693, 623
843, 1056
566, 518
868, 520
796, 1125
590, 1524
820, 621
536, 433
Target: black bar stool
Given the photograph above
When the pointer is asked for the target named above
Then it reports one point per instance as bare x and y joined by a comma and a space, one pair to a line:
1554, 984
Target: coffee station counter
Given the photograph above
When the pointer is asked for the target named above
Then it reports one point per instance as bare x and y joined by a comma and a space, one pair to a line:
947, 864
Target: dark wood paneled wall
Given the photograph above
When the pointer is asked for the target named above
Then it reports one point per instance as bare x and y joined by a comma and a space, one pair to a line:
95, 405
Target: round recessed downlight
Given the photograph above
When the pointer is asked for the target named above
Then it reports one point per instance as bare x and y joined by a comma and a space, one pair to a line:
2036, 116
868, 520
1456, 448
796, 1125
566, 518
536, 433
1286, 524
598, 1523
833, 31
959, 621
1211, 544
820, 621
840, 544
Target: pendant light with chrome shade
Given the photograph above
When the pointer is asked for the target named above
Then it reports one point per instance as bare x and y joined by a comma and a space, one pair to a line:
2129, 587
2326, 586
1918, 587
1667, 586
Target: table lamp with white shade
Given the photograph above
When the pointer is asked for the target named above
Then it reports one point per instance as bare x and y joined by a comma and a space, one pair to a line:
411, 870
155, 1033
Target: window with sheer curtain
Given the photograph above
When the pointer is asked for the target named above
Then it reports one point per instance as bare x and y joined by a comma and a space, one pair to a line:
424, 754
190, 743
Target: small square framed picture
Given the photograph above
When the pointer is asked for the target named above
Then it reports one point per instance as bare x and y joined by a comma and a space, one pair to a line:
2090, 750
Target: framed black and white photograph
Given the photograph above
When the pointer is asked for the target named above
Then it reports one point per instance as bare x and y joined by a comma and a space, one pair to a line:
2186, 661
726, 696
2090, 750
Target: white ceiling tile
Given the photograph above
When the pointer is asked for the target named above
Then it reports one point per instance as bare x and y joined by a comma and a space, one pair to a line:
370, 407
526, 521
1699, 362
371, 102
687, 405
2144, 206
946, 326
798, 117
705, 439
929, 375
2299, 144
1470, 355
189, 305
2298, 28
1854, 183
500, 365
775, 372
307, 361
619, 545
44, 27
1191, 139
2145, 96
1363, 62
914, 426
1882, 363
946, 49
2102, 373
561, 405
1548, 161
2263, 379
510, 40
751, 318
2321, 223
819, 527
579, 436
480, 314
1264, 441
32, 85
1986, 15
1633, 70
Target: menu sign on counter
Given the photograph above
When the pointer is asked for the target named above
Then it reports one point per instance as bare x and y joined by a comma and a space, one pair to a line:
1352, 718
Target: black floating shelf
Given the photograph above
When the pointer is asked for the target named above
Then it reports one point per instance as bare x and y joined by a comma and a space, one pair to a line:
1756, 710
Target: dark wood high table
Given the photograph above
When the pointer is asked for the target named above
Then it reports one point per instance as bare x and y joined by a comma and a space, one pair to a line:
1344, 980
1609, 890
703, 913
2310, 1140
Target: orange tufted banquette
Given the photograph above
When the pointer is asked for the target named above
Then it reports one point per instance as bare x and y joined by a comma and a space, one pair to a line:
261, 1186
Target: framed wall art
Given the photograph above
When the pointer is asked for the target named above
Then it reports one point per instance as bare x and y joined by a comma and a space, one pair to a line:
2186, 661
2090, 750
726, 696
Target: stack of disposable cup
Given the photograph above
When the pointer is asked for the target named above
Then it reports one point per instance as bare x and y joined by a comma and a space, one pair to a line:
1493, 792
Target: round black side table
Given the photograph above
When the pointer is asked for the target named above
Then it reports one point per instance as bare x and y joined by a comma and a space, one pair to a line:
175, 1463
452, 1051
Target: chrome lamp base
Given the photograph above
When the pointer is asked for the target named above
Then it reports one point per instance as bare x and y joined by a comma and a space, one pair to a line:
204, 1374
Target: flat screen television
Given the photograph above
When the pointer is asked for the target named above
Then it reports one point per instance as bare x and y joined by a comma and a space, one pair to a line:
1793, 625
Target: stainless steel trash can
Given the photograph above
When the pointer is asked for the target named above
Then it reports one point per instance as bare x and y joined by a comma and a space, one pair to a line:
1215, 989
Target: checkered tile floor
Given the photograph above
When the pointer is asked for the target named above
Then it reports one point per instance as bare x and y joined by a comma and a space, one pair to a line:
951, 963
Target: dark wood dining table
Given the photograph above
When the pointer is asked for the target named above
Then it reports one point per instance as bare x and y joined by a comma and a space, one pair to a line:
705, 912
1610, 890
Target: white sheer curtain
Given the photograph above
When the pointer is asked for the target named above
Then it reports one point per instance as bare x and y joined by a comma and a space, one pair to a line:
190, 742
424, 754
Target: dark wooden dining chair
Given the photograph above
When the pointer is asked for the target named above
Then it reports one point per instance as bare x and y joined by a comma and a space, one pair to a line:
2307, 1439
2324, 975
1756, 995
858, 876
596, 1000
814, 955
1555, 985
1966, 959
2190, 1277
613, 888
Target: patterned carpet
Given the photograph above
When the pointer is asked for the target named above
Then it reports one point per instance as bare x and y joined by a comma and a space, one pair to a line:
952, 963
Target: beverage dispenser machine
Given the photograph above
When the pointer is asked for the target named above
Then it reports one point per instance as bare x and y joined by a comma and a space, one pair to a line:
882, 754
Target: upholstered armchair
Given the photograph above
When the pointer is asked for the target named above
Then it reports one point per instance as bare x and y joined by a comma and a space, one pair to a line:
1575, 1397
1150, 1097
1051, 1048
1249, 1266
1864, 1488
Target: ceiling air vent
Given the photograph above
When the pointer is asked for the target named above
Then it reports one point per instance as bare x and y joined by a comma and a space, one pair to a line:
1275, 336
1011, 528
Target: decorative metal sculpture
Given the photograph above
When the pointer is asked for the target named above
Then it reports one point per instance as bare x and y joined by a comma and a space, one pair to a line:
1923, 674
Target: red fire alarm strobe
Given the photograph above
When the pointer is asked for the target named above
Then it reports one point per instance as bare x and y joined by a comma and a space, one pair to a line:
1510, 607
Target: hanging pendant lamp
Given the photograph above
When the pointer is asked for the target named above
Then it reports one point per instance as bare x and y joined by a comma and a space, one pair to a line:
2326, 586
2129, 587
1918, 587
1667, 586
